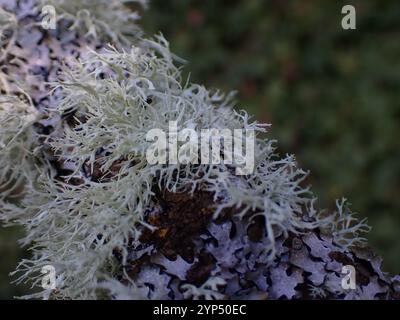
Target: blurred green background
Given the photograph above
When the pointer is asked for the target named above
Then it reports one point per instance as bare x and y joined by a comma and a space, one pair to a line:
332, 95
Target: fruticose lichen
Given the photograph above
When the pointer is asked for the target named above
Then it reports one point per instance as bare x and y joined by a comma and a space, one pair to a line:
345, 228
88, 189
17, 144
107, 20
207, 291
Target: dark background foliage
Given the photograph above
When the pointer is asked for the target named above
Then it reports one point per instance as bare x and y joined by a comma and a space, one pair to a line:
332, 95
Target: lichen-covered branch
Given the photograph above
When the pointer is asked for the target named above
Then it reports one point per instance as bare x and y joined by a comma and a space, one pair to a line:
75, 113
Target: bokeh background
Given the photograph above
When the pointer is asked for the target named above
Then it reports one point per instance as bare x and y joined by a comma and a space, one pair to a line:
332, 95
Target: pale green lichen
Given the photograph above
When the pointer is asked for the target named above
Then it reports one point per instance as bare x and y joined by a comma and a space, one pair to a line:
209, 290
105, 20
8, 25
117, 96
119, 291
17, 144
8, 22
118, 116
77, 227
